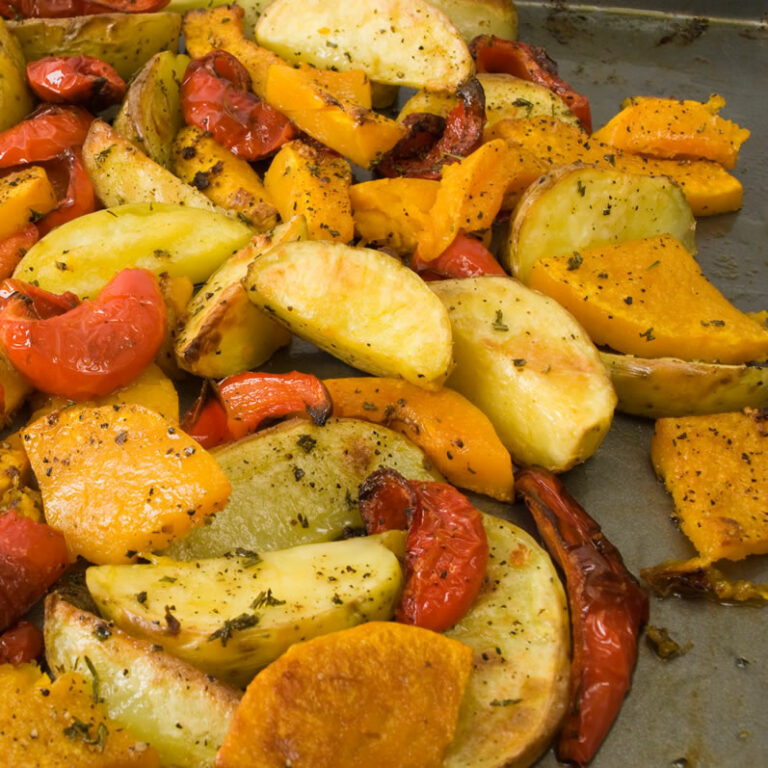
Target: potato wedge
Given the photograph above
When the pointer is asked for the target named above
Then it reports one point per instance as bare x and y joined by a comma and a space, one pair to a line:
118, 480
182, 712
177, 292
530, 367
577, 207
15, 389
224, 332
506, 96
122, 174
519, 631
384, 694
252, 9
481, 17
150, 116
15, 97
46, 724
82, 256
667, 386
297, 483
360, 305
124, 40
396, 42
234, 615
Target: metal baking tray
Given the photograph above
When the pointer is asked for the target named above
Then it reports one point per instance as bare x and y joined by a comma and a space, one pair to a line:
706, 708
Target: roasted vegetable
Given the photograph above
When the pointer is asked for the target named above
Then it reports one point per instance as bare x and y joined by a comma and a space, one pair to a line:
25, 196
481, 17
15, 98
527, 364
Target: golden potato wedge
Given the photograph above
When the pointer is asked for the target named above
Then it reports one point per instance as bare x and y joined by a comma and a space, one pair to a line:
506, 96
396, 42
234, 615
530, 367
383, 694
122, 174
224, 178
519, 631
224, 332
297, 483
124, 40
82, 256
118, 480
358, 304
15, 97
182, 712
577, 207
48, 724
667, 386
481, 17
177, 292
150, 116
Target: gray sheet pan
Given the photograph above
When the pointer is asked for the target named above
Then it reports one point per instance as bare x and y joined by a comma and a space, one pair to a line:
706, 709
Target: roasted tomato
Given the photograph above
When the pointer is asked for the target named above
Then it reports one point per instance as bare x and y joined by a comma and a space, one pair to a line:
387, 501
78, 196
13, 248
92, 349
21, 644
464, 257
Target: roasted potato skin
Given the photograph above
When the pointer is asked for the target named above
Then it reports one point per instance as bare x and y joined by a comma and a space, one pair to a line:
481, 17
15, 97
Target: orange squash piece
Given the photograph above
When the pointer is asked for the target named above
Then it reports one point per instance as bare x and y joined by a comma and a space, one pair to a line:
456, 435
52, 724
716, 468
649, 298
675, 129
25, 196
380, 694
120, 479
707, 186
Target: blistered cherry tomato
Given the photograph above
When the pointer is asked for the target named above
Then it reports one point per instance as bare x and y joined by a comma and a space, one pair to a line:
32, 557
52, 9
94, 348
206, 422
215, 97
76, 80
529, 62
464, 257
21, 644
13, 248
47, 132
79, 196
386, 501
608, 610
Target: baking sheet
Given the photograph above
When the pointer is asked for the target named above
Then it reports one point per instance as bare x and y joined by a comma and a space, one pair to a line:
706, 709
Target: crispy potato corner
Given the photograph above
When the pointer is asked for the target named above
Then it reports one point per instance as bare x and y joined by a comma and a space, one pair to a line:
381, 693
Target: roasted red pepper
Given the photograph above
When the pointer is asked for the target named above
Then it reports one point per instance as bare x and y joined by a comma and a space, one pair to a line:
464, 257
92, 349
21, 644
532, 63
47, 132
76, 80
40, 303
215, 97
61, 9
206, 421
13, 248
446, 546
428, 147
78, 196
608, 610
32, 557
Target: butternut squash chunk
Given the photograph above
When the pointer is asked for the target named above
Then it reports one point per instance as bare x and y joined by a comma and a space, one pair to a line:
303, 181
49, 724
25, 196
649, 298
382, 693
716, 468
391, 212
675, 129
456, 435
707, 186
118, 480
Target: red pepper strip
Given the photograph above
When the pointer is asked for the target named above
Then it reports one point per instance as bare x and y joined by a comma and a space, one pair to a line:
21, 644
414, 156
40, 303
76, 80
464, 257
13, 248
62, 9
92, 349
386, 501
215, 97
206, 422
32, 557
608, 610
532, 63
250, 398
79, 197
47, 132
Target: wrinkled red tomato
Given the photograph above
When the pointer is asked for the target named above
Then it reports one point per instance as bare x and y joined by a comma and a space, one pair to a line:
215, 97
21, 644
76, 80
79, 196
13, 248
206, 422
386, 501
464, 257
92, 349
